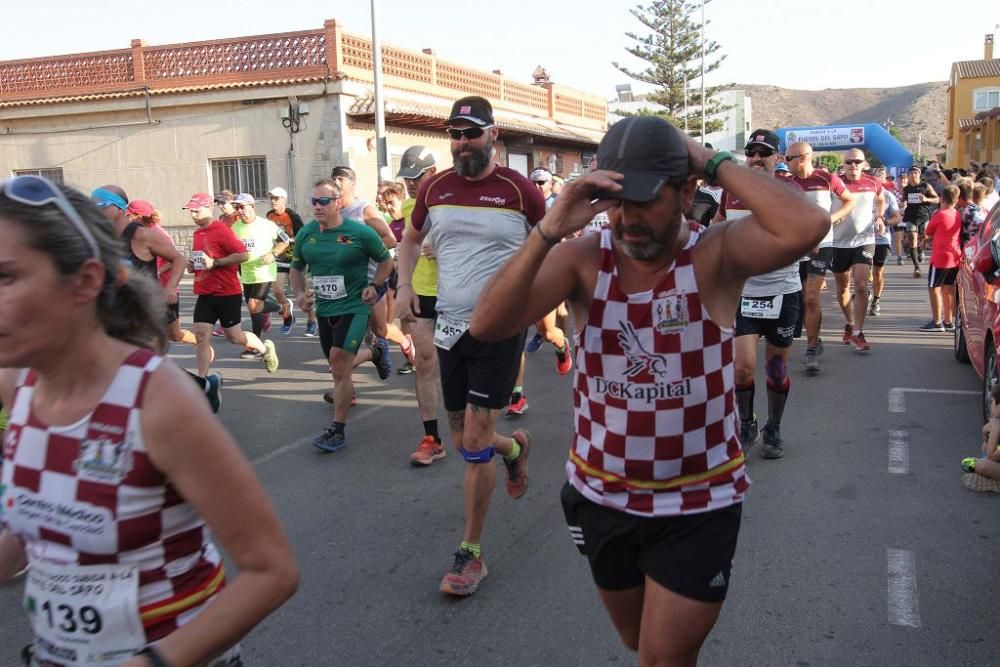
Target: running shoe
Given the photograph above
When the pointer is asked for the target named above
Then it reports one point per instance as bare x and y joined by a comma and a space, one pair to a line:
380, 357
860, 344
410, 352
465, 575
406, 369
517, 470
749, 433
251, 354
516, 408
566, 364
218, 332
266, 326
812, 362
876, 307
969, 464
270, 357
312, 329
920, 256
949, 326
535, 343
772, 442
213, 391
287, 328
330, 441
976, 482
848, 333
932, 326
428, 451
820, 347
916, 273
899, 261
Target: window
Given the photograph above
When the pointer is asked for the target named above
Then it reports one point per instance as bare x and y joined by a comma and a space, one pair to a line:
395, 162
241, 174
585, 159
986, 99
54, 174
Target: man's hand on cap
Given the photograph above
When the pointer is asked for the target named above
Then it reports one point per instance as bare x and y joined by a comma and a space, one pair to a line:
575, 206
698, 156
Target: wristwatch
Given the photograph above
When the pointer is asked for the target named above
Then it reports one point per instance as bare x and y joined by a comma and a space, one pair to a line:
377, 287
713, 165
154, 657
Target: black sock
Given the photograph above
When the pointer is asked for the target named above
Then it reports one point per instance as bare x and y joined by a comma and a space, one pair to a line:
200, 381
776, 398
338, 427
257, 323
431, 429
271, 306
913, 258
515, 397
744, 401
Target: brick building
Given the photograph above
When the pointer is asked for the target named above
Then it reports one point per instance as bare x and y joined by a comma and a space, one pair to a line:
249, 113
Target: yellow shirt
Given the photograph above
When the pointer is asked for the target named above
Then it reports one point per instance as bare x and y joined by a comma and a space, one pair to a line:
425, 274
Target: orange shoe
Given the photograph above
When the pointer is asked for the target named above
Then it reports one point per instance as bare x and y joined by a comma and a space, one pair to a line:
566, 365
428, 451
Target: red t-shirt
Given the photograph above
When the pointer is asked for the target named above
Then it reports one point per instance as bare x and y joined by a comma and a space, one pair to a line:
945, 226
217, 241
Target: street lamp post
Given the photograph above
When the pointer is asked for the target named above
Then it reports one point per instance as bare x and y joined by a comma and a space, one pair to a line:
382, 148
703, 72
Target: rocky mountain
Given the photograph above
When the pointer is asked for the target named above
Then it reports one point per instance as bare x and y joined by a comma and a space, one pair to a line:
921, 108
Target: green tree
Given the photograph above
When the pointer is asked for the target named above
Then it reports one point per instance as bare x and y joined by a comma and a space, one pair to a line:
672, 51
873, 160
830, 161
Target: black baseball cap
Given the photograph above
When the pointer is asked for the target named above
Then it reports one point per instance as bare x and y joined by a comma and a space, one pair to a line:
765, 138
474, 109
415, 161
346, 172
648, 150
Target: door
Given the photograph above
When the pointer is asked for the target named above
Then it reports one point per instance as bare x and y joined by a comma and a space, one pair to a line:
518, 162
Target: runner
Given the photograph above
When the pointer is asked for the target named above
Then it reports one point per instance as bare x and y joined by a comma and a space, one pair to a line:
820, 187
769, 308
165, 275
289, 222
114, 474
854, 247
482, 212
900, 235
418, 164
264, 242
336, 251
216, 254
656, 472
892, 219
228, 213
917, 198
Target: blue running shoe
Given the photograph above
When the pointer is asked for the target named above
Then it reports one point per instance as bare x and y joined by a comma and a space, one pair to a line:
287, 328
535, 343
330, 441
381, 358
213, 391
312, 329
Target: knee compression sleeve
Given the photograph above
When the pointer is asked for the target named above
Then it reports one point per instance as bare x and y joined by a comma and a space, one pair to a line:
777, 371
482, 456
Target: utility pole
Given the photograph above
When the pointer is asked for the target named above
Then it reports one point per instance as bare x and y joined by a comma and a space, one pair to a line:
703, 72
382, 148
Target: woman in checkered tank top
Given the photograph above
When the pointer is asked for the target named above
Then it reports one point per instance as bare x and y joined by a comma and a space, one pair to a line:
108, 488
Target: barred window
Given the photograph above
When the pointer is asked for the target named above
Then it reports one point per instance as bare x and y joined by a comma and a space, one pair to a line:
241, 174
54, 174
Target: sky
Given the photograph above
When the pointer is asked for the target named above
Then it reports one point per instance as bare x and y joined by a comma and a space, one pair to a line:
789, 43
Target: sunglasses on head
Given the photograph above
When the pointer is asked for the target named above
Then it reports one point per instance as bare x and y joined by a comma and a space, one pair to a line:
39, 191
758, 152
323, 201
468, 132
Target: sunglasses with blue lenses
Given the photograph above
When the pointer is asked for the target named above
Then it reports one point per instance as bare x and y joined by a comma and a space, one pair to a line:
38, 191
323, 201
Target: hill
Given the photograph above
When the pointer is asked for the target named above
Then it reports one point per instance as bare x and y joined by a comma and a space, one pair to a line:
920, 108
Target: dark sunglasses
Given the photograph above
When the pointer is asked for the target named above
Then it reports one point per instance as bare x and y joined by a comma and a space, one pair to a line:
789, 158
468, 133
758, 152
539, 182
854, 161
38, 191
323, 201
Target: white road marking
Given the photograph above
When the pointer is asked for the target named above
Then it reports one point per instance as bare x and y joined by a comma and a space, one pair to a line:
899, 453
903, 607
897, 395
301, 442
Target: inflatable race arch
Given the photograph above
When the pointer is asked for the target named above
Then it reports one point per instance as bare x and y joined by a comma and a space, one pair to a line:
866, 136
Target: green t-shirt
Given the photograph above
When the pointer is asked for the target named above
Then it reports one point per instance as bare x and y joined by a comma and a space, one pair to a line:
259, 237
338, 261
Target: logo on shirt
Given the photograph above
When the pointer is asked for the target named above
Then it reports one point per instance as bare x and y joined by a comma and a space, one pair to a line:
344, 239
499, 201
446, 195
670, 313
106, 457
639, 359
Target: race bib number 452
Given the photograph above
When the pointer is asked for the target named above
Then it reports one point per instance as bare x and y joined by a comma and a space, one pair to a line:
84, 615
447, 331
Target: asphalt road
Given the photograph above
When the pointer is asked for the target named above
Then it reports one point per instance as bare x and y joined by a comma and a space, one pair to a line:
859, 547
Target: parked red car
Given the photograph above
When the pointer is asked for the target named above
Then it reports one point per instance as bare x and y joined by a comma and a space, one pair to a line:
977, 329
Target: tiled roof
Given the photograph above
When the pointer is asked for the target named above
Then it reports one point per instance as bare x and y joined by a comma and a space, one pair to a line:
975, 69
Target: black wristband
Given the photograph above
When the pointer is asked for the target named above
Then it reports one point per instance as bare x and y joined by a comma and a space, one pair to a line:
538, 228
154, 657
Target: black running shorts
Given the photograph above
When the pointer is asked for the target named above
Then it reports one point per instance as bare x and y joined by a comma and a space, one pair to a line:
843, 259
428, 307
479, 373
941, 277
778, 332
227, 310
257, 291
173, 312
690, 555
881, 254
819, 264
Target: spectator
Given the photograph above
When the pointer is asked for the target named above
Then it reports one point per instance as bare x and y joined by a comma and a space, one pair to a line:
983, 474
943, 232
991, 198
975, 213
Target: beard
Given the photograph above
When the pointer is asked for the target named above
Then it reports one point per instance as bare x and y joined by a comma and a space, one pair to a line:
472, 165
654, 246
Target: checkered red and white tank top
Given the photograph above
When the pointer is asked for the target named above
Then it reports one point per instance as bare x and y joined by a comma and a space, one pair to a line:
88, 494
653, 398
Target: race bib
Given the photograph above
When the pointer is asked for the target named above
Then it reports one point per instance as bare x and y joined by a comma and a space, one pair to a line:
198, 260
84, 615
761, 307
447, 331
329, 288
914, 198
249, 244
